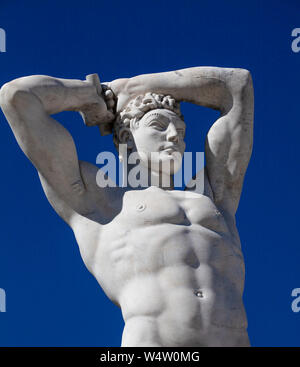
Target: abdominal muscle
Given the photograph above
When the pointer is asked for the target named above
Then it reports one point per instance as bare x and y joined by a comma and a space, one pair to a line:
174, 287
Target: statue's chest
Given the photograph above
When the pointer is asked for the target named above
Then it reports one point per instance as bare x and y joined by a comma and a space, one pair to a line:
155, 206
152, 206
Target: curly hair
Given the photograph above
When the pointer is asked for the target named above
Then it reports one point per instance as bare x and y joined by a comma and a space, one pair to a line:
138, 107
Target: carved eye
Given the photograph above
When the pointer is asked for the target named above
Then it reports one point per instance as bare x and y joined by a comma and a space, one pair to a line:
157, 125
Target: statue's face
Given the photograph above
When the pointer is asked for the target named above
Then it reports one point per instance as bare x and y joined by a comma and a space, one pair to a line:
160, 132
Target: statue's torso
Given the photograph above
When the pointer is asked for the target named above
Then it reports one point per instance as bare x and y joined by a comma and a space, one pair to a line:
171, 260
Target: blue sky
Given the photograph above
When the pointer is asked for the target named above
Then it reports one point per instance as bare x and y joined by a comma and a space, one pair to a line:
52, 300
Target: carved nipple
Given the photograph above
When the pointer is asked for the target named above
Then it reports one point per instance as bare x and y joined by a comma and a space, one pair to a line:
141, 207
198, 293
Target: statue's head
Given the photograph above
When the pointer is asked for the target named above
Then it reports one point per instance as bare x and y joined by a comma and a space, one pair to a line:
152, 123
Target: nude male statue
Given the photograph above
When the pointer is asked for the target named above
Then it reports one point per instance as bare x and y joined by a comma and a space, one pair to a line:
170, 259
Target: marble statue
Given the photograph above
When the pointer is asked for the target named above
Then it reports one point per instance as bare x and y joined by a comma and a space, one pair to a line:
170, 259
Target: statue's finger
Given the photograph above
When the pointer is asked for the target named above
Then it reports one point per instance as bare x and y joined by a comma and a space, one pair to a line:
109, 94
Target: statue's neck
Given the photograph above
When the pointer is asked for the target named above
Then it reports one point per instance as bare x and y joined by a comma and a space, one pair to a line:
139, 177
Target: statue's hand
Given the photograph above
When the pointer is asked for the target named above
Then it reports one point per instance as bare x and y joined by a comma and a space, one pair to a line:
110, 98
100, 111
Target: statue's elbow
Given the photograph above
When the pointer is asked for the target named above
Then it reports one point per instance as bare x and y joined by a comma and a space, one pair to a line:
244, 78
241, 86
12, 94
5, 94
8, 94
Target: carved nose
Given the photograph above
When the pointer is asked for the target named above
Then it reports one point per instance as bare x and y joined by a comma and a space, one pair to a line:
172, 134
173, 138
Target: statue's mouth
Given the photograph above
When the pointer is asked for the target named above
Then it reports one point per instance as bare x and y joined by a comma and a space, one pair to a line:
171, 148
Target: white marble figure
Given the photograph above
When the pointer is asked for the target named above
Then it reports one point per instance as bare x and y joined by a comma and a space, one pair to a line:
170, 259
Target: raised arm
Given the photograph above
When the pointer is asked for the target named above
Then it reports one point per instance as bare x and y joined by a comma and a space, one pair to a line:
229, 141
27, 103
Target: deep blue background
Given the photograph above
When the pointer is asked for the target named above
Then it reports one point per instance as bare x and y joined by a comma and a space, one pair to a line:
52, 300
